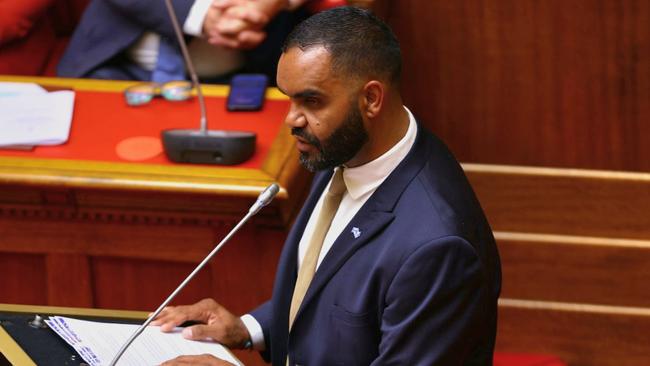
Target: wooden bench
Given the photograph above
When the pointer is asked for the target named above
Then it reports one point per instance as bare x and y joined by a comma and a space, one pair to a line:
575, 251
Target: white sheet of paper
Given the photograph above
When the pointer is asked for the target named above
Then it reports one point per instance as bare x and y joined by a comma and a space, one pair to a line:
31, 116
98, 342
11, 89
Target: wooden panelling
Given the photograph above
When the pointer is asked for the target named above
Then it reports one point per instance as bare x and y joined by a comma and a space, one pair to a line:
135, 265
575, 256
23, 278
181, 243
244, 271
563, 201
576, 269
108, 263
580, 335
68, 280
527, 82
142, 285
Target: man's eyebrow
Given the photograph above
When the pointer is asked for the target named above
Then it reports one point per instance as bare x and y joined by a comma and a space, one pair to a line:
302, 94
307, 94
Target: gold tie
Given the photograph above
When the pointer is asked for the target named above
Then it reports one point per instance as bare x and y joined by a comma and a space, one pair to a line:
331, 203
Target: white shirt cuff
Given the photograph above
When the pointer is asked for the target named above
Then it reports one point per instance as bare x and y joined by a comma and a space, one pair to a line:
255, 330
193, 25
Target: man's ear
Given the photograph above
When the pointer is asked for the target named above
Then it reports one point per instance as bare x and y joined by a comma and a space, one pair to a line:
373, 98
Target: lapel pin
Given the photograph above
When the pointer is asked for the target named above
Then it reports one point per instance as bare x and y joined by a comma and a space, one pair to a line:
356, 232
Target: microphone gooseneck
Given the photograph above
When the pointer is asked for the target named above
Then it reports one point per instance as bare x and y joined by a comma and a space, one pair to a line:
190, 65
262, 200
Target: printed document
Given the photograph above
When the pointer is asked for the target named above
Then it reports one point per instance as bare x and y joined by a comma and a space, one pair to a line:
97, 343
29, 115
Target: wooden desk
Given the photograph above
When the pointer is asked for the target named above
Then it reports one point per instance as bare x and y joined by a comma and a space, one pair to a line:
79, 227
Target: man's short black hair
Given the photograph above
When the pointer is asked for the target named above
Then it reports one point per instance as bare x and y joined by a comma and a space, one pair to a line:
359, 43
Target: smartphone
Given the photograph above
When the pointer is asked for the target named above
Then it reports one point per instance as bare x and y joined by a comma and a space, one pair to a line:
247, 92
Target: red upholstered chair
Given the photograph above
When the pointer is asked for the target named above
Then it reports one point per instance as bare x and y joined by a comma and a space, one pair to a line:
34, 33
525, 359
26, 36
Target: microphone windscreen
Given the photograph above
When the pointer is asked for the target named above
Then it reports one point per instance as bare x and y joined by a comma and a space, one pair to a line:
268, 194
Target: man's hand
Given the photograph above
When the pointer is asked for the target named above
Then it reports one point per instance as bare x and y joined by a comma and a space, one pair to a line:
202, 360
234, 24
268, 8
219, 324
240, 23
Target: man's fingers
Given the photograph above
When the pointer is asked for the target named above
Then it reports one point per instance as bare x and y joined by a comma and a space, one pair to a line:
165, 315
224, 4
218, 323
173, 316
230, 26
219, 40
204, 360
169, 326
249, 14
244, 40
250, 39
201, 332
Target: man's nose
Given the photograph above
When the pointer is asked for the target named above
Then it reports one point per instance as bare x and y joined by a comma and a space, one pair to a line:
295, 117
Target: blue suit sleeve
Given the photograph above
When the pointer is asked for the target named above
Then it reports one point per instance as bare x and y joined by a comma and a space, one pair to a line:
431, 305
152, 14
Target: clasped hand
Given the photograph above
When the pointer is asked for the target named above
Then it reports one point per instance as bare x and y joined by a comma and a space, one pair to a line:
239, 24
216, 323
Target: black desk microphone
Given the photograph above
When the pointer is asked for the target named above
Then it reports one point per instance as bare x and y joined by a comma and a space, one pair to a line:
262, 200
204, 146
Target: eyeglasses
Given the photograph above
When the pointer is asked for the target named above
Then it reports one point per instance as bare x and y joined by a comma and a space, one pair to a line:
174, 91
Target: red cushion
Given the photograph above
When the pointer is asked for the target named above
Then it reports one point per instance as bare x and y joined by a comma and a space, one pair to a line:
20, 17
34, 34
525, 359
29, 55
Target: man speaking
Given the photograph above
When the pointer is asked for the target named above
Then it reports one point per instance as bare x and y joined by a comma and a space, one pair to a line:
391, 260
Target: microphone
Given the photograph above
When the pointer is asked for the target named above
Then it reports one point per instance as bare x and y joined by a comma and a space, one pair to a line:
203, 146
262, 200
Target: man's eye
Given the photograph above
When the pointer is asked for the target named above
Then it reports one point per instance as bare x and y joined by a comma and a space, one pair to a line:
311, 101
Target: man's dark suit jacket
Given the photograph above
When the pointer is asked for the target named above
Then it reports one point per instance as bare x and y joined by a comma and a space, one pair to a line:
108, 27
419, 286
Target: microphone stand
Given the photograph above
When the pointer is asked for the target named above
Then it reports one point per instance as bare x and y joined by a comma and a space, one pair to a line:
264, 199
189, 64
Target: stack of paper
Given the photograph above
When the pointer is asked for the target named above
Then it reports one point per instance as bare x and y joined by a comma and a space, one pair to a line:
29, 115
97, 343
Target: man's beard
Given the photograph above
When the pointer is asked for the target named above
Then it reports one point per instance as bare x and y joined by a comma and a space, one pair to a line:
340, 147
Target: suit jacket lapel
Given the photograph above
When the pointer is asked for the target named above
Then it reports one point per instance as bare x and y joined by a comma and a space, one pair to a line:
368, 224
298, 229
288, 265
